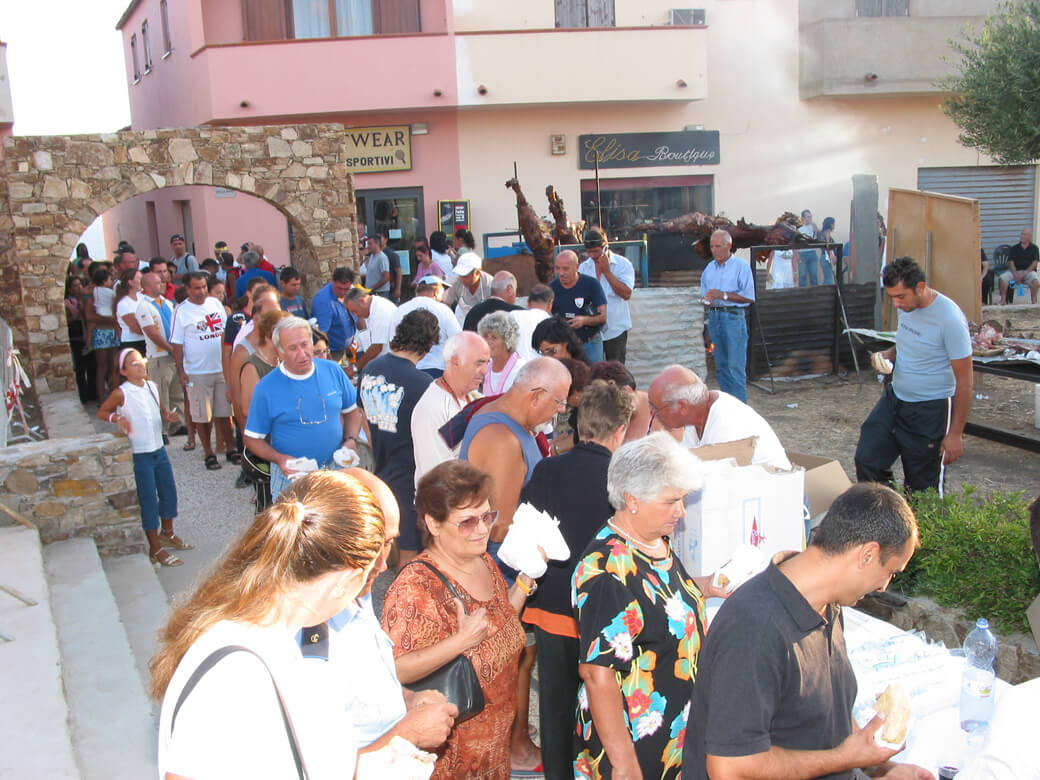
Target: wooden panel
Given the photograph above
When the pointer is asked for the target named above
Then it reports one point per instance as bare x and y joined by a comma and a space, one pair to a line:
266, 20
395, 16
571, 13
953, 225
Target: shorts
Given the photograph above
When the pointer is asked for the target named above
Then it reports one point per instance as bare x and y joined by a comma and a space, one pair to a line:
207, 397
1027, 280
104, 338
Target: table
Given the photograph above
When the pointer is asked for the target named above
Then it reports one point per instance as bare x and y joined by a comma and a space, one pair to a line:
1024, 370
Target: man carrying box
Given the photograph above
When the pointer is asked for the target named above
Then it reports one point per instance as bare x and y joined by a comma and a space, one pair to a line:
774, 690
679, 399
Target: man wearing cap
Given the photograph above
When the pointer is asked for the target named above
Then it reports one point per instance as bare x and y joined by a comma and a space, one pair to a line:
503, 298
333, 318
186, 263
617, 277
428, 293
727, 289
471, 286
580, 300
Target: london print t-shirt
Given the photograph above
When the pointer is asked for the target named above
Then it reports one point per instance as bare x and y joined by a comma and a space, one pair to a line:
200, 329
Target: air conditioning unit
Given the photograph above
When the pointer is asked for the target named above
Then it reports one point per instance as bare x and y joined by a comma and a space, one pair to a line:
686, 16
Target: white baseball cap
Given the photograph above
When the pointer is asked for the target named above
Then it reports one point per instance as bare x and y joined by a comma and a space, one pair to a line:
467, 264
429, 280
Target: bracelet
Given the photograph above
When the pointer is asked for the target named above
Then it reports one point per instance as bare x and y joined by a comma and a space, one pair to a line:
526, 589
111, 416
351, 438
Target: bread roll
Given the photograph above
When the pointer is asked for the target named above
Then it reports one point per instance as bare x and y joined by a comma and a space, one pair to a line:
896, 705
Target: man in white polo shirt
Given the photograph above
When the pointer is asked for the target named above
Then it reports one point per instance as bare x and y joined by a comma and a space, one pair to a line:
617, 277
198, 332
377, 315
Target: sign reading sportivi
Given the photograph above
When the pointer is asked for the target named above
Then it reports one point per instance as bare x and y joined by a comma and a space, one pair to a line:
645, 150
373, 149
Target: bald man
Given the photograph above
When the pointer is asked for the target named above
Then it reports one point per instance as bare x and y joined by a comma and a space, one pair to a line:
579, 299
503, 298
727, 289
680, 400
358, 658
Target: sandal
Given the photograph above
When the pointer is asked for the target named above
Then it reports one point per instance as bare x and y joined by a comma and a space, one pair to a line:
234, 457
189, 446
212, 463
164, 558
174, 542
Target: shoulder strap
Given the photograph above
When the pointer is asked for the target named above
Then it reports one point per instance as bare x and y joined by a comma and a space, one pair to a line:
212, 660
442, 578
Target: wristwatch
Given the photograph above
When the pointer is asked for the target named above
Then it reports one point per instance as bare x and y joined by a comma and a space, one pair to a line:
725, 296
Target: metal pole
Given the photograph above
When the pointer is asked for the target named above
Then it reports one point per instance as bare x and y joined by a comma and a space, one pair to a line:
599, 199
516, 178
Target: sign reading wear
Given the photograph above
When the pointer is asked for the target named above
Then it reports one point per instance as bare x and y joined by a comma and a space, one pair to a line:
374, 149
647, 150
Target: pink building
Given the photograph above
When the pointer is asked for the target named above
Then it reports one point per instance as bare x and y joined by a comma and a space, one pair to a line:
744, 109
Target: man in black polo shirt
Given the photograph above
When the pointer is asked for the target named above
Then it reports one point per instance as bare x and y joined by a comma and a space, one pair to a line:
572, 488
774, 691
1022, 264
580, 300
503, 298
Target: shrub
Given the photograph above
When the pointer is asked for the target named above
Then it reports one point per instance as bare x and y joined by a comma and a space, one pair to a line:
976, 554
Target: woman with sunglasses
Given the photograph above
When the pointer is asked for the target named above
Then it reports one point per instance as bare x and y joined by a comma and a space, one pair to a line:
429, 626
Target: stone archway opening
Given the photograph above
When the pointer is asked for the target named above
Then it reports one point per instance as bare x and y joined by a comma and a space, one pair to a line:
53, 187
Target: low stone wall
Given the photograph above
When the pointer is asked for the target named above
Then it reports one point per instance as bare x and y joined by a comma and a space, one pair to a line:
75, 487
667, 327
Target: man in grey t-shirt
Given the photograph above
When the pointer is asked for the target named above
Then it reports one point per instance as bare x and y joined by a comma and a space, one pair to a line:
921, 415
377, 269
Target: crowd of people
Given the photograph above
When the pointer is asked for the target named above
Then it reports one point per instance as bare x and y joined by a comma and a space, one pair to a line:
378, 435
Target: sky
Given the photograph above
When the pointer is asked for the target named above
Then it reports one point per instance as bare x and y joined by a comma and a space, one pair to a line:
66, 66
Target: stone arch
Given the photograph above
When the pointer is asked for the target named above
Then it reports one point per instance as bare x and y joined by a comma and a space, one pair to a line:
54, 186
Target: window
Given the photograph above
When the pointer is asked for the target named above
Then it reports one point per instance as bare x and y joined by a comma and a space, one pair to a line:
164, 17
882, 7
332, 18
584, 13
273, 20
147, 47
133, 56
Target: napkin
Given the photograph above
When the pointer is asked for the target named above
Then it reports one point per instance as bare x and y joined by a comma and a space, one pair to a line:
530, 530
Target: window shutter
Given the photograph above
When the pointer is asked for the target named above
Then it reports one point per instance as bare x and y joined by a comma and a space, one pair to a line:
266, 20
395, 16
570, 13
601, 13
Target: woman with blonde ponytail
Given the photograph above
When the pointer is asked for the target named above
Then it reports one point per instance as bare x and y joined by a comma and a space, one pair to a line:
253, 711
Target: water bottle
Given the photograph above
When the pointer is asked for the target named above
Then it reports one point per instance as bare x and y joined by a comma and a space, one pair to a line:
979, 680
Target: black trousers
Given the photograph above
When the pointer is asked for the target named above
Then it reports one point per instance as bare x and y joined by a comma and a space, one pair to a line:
616, 348
911, 431
558, 684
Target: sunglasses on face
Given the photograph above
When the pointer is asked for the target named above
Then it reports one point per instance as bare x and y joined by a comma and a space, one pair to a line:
468, 525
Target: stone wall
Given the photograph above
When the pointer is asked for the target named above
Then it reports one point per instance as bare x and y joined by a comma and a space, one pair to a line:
667, 327
55, 186
75, 487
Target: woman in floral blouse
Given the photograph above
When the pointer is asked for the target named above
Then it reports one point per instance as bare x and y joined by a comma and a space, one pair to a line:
640, 619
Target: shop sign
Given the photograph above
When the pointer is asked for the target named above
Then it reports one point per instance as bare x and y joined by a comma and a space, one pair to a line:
647, 150
376, 149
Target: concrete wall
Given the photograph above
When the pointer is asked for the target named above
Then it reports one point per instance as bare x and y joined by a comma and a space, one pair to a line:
667, 327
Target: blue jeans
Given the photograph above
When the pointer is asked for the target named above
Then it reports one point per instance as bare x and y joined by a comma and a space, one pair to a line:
826, 270
808, 262
156, 490
594, 349
728, 329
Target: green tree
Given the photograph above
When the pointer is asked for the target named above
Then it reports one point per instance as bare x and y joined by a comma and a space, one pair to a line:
995, 98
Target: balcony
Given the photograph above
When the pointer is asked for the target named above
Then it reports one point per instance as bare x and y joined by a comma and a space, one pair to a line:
877, 55
543, 66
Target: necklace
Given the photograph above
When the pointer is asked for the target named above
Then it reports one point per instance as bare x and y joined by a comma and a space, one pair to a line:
460, 401
654, 549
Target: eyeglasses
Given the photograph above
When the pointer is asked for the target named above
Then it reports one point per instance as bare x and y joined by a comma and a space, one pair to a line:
561, 403
547, 352
469, 524
655, 410
324, 410
321, 353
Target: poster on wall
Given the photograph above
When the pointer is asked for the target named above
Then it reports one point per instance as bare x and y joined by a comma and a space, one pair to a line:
378, 149
647, 150
453, 214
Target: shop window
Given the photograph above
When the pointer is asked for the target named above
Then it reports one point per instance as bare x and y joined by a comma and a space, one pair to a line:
164, 17
147, 47
584, 13
133, 57
882, 7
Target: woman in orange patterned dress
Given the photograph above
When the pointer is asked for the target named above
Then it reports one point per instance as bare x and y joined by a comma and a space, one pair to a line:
430, 627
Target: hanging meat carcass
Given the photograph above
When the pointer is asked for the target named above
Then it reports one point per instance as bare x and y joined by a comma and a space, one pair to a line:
537, 232
565, 231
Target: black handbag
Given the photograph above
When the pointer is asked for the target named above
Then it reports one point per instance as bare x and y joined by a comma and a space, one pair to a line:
456, 679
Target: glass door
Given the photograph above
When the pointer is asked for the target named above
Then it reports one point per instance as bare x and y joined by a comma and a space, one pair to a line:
397, 213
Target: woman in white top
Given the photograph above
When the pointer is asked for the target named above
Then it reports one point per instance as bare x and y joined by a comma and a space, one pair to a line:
135, 409
126, 300
781, 268
502, 334
299, 563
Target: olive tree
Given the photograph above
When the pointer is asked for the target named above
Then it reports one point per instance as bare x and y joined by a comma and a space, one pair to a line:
995, 89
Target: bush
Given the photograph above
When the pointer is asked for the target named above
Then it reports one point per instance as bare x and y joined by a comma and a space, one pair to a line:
976, 554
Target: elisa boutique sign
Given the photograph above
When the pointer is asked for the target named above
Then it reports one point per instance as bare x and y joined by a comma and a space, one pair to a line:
647, 150
375, 149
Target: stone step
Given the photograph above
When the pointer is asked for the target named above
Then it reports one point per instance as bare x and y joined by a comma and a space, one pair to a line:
143, 606
112, 721
34, 731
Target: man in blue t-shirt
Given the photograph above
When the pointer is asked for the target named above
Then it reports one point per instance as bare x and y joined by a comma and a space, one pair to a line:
580, 300
921, 415
333, 318
306, 407
251, 261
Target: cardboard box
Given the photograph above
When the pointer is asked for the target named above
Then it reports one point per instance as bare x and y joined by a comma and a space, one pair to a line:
825, 480
741, 451
755, 505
